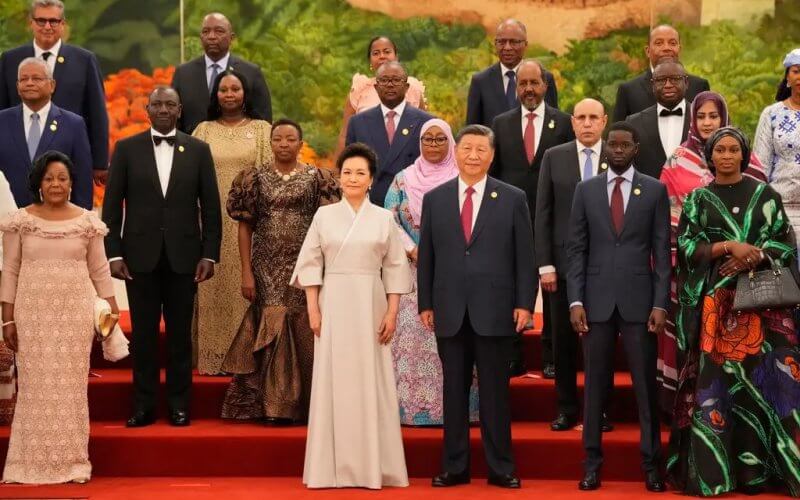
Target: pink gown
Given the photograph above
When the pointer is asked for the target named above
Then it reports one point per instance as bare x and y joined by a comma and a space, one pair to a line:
51, 271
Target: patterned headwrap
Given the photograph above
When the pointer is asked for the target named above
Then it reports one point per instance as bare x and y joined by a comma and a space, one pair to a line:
728, 132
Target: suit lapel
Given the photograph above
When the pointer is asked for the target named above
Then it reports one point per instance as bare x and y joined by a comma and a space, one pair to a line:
199, 70
686, 122
602, 194
62, 59
402, 134
651, 126
453, 208
514, 130
647, 86
177, 163
488, 203
546, 138
49, 129
378, 130
18, 132
633, 202
574, 166
496, 85
149, 165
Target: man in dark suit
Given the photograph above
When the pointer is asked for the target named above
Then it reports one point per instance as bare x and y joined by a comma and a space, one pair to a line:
390, 128
523, 134
618, 281
637, 94
37, 125
665, 125
79, 84
193, 80
563, 167
164, 187
476, 283
494, 90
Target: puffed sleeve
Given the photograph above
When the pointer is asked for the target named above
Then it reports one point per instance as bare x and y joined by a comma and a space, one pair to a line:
12, 257
201, 131
395, 271
328, 190
96, 260
242, 202
416, 92
357, 89
310, 265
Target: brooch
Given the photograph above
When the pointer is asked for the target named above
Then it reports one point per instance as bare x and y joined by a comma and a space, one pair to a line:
552, 124
405, 131
60, 59
181, 149
604, 166
53, 126
637, 191
494, 194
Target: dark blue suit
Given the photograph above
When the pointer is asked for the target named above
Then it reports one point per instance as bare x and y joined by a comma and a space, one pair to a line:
79, 88
369, 127
69, 137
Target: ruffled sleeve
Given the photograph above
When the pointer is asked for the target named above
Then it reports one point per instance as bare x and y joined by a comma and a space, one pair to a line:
359, 85
242, 202
416, 92
328, 190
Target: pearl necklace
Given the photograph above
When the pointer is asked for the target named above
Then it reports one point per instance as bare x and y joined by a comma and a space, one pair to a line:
288, 176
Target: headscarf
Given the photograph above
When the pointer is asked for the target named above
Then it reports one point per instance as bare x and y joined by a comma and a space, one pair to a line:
792, 59
422, 175
728, 132
694, 141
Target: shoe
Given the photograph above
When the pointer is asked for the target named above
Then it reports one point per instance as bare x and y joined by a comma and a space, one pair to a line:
505, 481
590, 481
653, 482
141, 418
446, 479
179, 418
517, 369
563, 422
549, 371
605, 424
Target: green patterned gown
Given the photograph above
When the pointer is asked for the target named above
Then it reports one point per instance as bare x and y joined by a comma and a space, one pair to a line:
736, 411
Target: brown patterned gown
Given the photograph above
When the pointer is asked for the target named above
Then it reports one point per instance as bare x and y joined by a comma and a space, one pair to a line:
272, 354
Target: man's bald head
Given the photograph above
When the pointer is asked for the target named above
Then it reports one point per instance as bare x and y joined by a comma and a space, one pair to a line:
588, 121
216, 35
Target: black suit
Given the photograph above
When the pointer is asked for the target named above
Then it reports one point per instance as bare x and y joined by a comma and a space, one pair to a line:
637, 94
191, 83
511, 165
651, 157
162, 240
473, 288
619, 279
487, 95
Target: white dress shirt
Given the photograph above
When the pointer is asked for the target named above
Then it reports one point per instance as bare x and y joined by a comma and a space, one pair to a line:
27, 113
596, 148
625, 187
397, 109
51, 61
670, 128
223, 65
538, 123
477, 196
503, 71
164, 154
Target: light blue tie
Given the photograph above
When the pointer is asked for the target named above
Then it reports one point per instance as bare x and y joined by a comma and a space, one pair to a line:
588, 169
34, 135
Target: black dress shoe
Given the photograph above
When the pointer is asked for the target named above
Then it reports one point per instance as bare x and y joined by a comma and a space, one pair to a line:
653, 482
605, 424
179, 418
141, 418
563, 422
517, 369
549, 371
446, 479
278, 421
590, 481
505, 481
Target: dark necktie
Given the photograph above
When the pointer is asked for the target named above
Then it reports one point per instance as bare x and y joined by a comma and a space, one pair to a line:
511, 89
466, 214
671, 112
617, 205
214, 73
46, 55
169, 139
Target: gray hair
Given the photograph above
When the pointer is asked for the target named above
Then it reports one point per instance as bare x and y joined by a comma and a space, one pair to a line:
38, 4
38, 62
532, 61
481, 130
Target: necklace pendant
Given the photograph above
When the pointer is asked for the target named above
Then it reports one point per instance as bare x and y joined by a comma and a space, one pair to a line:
286, 177
735, 210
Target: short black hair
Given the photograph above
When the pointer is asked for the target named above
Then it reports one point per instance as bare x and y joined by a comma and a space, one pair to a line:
626, 127
359, 150
40, 168
481, 130
285, 121
375, 39
215, 110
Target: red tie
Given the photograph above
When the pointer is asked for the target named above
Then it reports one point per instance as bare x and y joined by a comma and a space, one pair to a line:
390, 125
466, 214
530, 137
617, 205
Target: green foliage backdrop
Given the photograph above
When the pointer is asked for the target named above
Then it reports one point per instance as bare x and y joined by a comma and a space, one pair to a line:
309, 50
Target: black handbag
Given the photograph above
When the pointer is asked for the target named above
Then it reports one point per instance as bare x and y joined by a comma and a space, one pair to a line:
773, 288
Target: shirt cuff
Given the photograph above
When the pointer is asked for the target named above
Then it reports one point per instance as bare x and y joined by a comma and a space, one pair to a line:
547, 269
210, 260
576, 303
112, 259
660, 308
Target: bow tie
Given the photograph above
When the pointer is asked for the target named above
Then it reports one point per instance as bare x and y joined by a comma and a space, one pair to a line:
169, 139
671, 112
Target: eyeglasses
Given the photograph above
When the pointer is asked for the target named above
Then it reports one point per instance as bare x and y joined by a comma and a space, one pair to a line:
674, 79
434, 141
391, 82
44, 21
502, 42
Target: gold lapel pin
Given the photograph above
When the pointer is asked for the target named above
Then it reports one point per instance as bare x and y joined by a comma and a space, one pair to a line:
53, 127
181, 149
405, 131
230, 68
637, 191
60, 59
604, 166
494, 194
552, 124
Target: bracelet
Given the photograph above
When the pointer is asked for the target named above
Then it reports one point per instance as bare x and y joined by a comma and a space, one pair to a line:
12, 322
725, 247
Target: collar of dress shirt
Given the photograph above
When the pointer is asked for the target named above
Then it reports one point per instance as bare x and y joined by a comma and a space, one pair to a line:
397, 109
156, 133
38, 51
504, 69
597, 148
681, 105
223, 62
479, 187
627, 175
539, 110
43, 113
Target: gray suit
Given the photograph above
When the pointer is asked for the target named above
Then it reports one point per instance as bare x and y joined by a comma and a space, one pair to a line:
620, 279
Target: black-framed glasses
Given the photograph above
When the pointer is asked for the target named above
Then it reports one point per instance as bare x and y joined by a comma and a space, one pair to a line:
390, 82
44, 21
434, 141
514, 42
673, 79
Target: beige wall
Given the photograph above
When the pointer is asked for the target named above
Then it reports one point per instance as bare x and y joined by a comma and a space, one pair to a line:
740, 11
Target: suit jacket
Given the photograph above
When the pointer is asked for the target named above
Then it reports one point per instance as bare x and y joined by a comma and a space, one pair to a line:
62, 131
559, 175
191, 83
510, 161
79, 89
186, 221
487, 277
637, 94
651, 157
487, 96
369, 127
629, 272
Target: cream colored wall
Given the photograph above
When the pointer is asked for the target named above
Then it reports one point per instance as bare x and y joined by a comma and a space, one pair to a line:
739, 11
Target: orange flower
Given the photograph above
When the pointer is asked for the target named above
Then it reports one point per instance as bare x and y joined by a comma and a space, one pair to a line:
727, 335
